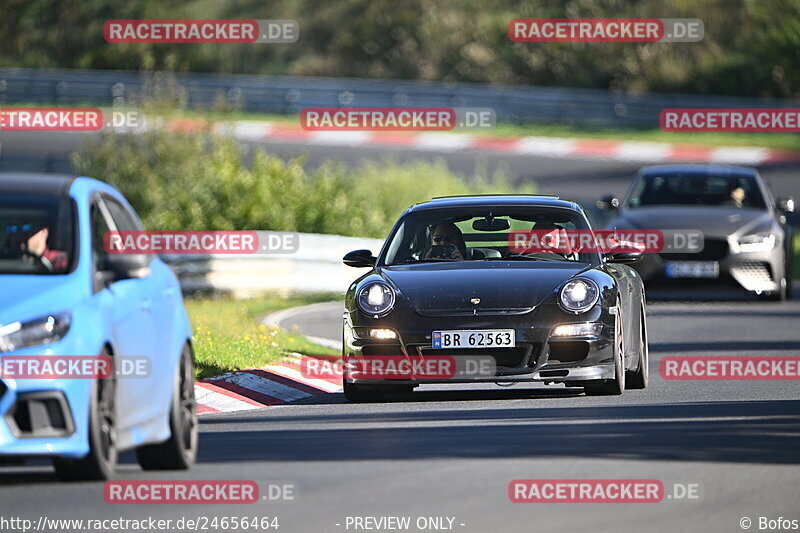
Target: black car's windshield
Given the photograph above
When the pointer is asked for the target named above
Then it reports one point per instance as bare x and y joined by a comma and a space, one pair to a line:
483, 234
36, 234
697, 189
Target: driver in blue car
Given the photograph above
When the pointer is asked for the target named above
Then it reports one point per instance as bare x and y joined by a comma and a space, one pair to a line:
32, 239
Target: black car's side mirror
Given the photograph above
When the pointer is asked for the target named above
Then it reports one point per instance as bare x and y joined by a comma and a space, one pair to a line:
608, 202
127, 266
786, 204
359, 258
623, 257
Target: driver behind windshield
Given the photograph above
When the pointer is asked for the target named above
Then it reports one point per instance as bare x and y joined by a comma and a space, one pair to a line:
447, 242
736, 195
555, 238
32, 241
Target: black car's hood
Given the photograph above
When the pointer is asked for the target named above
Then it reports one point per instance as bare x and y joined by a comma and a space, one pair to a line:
713, 221
502, 286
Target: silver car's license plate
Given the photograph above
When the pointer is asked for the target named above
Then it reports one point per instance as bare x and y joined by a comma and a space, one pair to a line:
474, 338
692, 269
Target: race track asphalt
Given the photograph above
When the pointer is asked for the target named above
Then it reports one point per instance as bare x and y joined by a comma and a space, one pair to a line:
452, 453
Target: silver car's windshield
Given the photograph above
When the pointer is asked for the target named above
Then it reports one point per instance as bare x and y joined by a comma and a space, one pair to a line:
697, 189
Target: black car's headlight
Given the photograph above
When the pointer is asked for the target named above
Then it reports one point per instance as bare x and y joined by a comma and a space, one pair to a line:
42, 330
376, 298
758, 242
578, 295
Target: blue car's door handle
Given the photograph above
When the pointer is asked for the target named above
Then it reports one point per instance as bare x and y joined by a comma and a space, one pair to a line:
146, 305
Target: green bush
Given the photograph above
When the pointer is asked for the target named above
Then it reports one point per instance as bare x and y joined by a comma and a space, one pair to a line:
206, 182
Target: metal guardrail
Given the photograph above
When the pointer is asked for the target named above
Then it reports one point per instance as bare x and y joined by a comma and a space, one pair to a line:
288, 95
316, 266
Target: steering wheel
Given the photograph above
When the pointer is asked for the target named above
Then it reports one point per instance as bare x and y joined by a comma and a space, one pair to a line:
37, 260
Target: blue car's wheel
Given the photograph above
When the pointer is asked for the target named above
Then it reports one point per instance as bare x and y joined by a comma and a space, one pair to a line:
101, 460
180, 450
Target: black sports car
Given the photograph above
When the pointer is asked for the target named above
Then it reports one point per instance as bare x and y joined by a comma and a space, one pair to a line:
448, 285
747, 239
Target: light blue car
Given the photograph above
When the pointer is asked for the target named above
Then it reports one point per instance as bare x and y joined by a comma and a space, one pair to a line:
62, 294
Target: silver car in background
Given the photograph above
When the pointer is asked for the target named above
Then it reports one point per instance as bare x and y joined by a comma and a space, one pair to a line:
747, 238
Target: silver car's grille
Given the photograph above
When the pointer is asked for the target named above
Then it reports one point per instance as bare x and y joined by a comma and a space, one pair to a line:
753, 276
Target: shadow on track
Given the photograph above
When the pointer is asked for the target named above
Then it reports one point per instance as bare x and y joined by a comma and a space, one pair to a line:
743, 432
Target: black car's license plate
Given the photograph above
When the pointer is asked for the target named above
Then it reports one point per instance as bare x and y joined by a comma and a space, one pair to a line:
474, 338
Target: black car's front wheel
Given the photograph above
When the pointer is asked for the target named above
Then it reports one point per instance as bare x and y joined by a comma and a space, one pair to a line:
640, 378
616, 385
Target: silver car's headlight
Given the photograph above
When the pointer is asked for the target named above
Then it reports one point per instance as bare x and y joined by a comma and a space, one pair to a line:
42, 330
579, 295
758, 242
376, 298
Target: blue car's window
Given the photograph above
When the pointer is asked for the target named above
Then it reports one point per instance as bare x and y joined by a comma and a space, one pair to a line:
697, 189
37, 234
481, 234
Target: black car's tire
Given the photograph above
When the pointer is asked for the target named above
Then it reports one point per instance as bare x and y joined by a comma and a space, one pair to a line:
363, 394
180, 450
101, 461
640, 378
616, 386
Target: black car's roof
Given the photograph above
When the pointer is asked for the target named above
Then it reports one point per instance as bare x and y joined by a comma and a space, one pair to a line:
50, 184
516, 200
709, 170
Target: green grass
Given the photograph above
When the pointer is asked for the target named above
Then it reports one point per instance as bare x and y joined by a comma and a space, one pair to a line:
227, 335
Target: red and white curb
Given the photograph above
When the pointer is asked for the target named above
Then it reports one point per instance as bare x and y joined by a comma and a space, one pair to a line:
276, 384
539, 146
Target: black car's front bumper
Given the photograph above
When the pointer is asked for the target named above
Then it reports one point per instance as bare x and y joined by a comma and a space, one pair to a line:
537, 357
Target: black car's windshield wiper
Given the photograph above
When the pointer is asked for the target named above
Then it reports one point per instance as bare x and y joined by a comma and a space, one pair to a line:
525, 257
425, 260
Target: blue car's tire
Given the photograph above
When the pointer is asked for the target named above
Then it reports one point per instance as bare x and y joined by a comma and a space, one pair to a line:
180, 450
101, 461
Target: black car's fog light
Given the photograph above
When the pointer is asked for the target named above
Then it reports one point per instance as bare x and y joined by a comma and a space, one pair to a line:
582, 329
